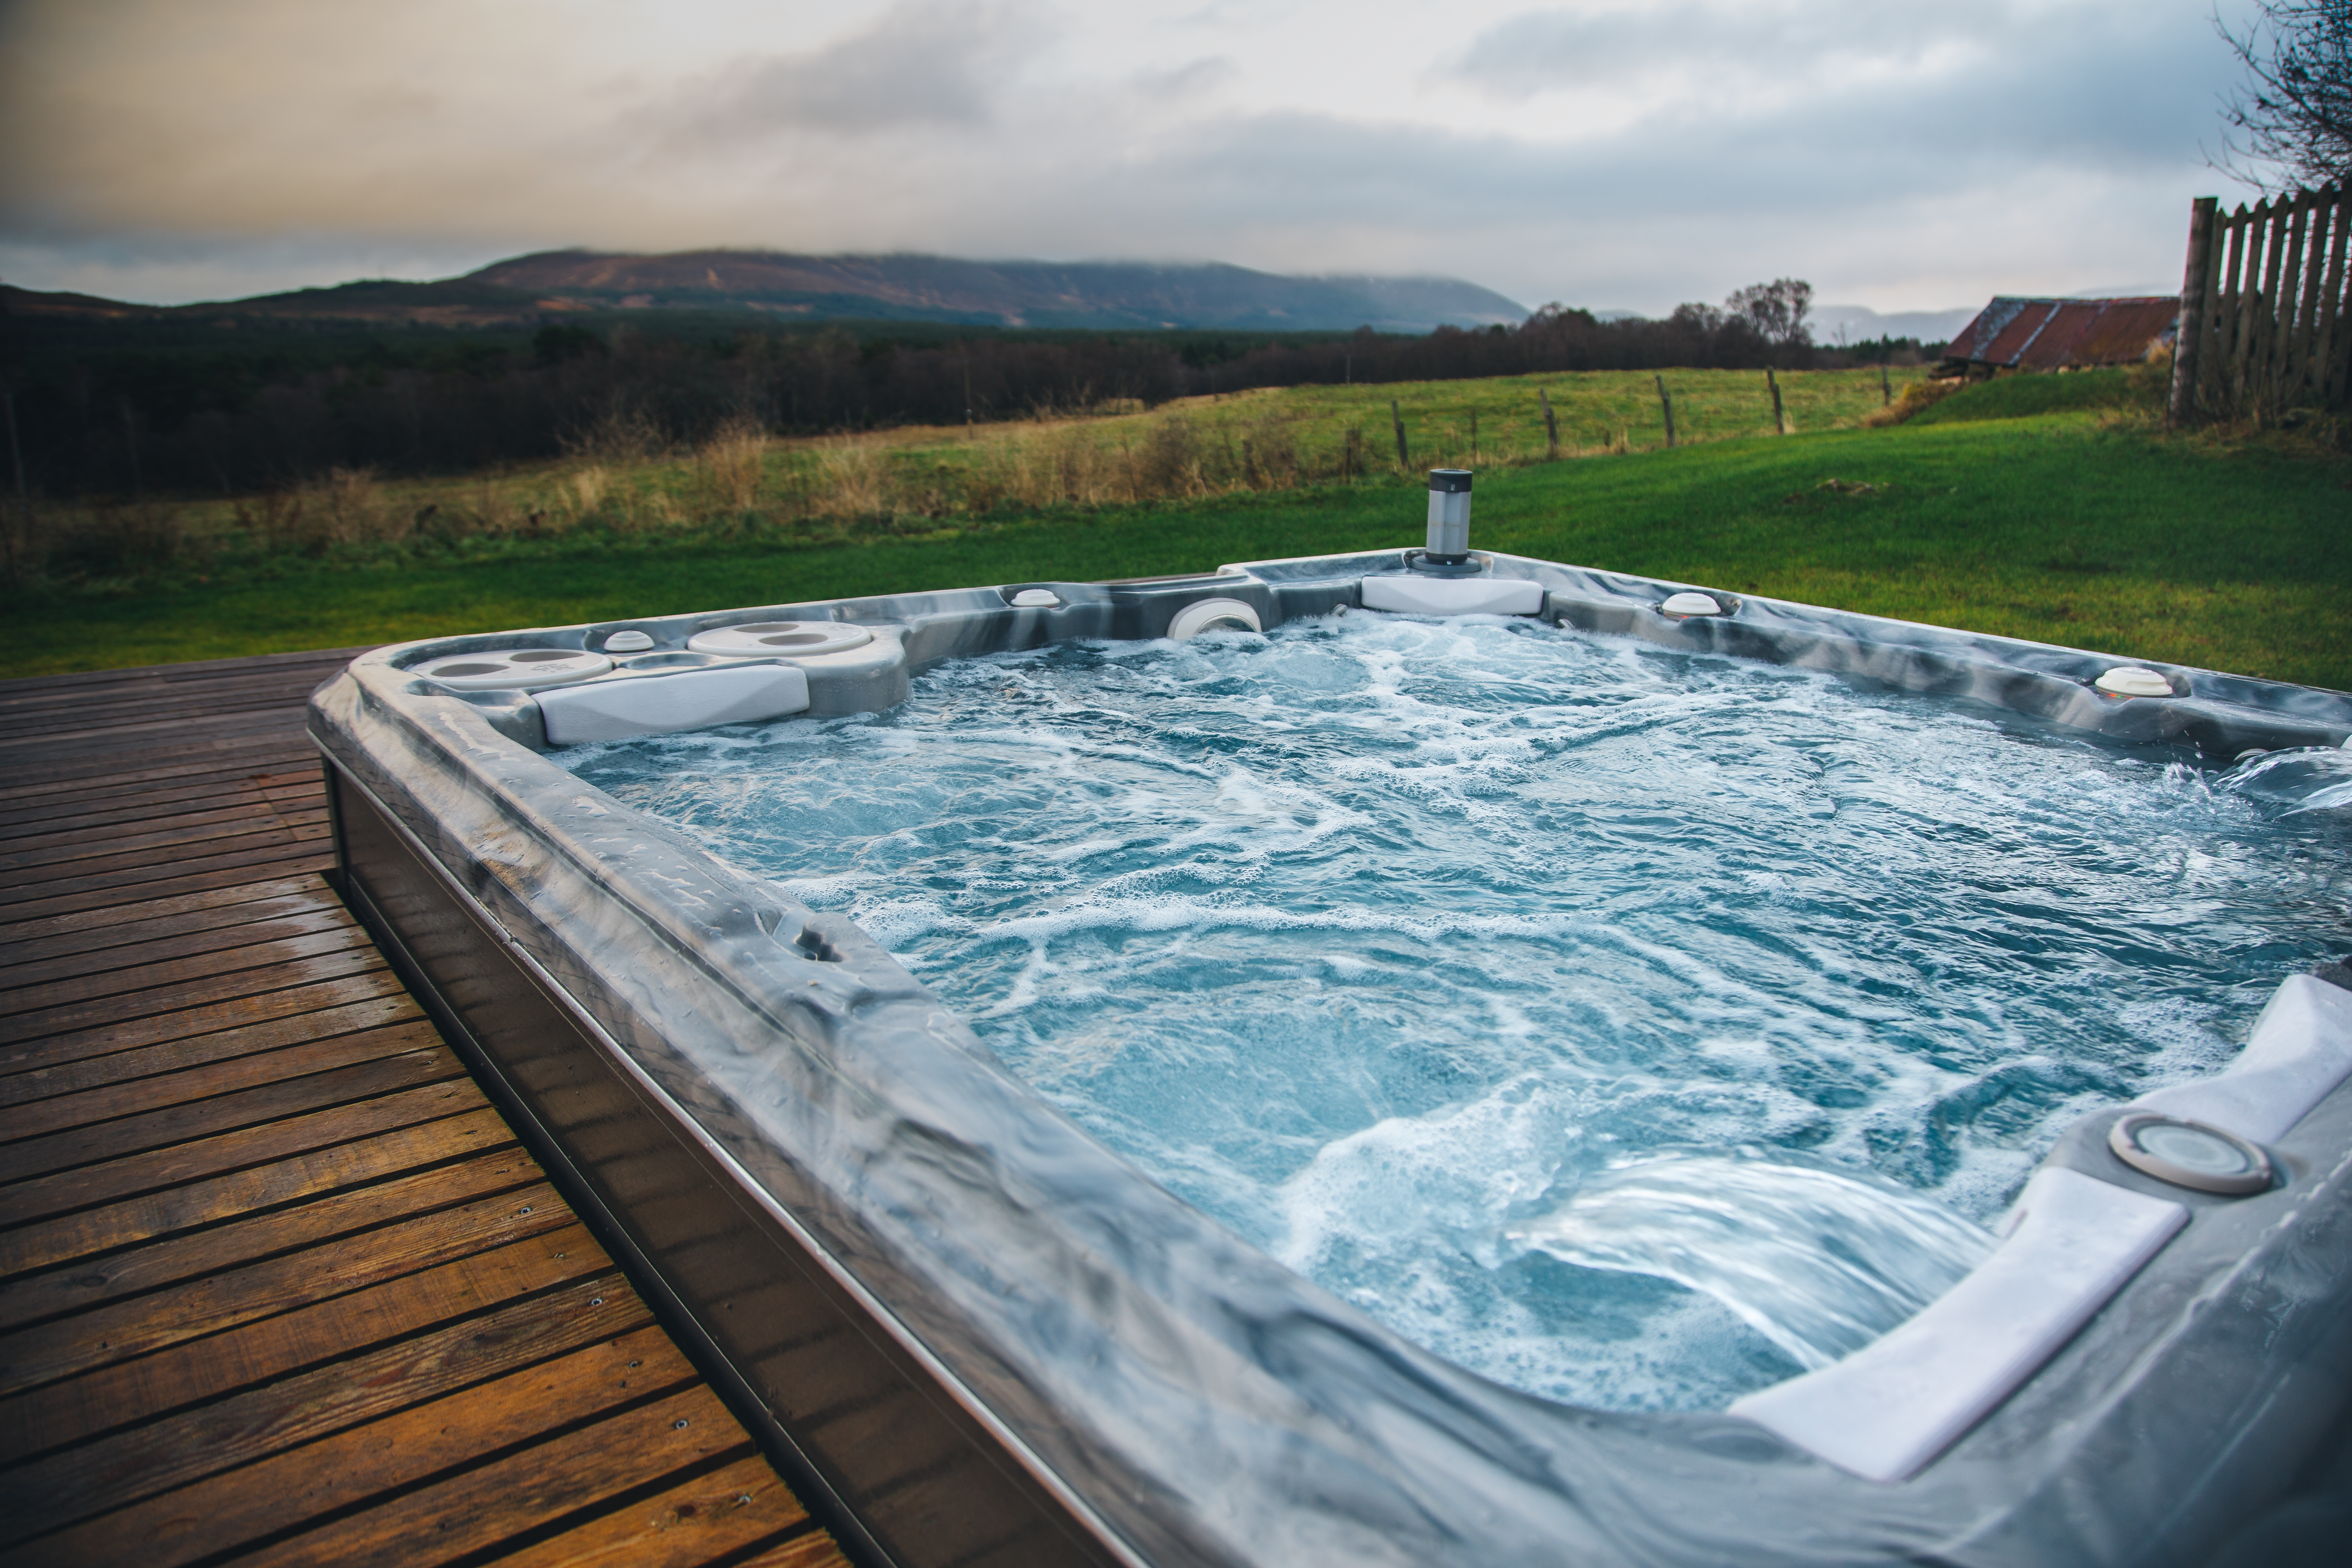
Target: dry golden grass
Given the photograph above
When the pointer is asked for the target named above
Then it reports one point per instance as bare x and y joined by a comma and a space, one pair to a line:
731, 462
1915, 398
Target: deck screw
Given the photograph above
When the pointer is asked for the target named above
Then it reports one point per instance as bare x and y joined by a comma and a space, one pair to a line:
598, 1302
680, 1426
742, 1498
525, 1209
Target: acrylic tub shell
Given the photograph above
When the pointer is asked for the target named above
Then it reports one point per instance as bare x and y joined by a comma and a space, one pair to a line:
971, 1334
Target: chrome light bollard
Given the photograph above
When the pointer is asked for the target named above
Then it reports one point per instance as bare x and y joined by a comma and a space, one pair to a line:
1448, 551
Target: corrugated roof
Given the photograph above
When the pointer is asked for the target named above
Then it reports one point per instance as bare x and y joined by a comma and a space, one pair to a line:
2059, 334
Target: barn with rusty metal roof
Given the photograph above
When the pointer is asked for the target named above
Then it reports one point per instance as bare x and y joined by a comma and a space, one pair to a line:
2013, 333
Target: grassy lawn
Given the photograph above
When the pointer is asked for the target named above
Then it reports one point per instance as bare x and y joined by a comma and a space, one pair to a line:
2049, 507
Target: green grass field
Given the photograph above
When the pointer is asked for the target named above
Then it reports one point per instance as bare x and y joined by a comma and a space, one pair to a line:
2049, 507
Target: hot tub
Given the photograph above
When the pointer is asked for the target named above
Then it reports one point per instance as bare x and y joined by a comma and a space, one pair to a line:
973, 1334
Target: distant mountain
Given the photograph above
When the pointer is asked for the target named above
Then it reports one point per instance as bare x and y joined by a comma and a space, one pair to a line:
997, 293
1861, 323
1088, 294
457, 302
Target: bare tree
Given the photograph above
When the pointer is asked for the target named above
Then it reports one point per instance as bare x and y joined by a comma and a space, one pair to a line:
2290, 124
1775, 310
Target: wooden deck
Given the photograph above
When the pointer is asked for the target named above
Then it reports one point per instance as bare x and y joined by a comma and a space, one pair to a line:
275, 1281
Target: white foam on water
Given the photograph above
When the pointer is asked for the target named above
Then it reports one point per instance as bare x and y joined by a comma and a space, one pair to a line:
1419, 952
2303, 778
1819, 1262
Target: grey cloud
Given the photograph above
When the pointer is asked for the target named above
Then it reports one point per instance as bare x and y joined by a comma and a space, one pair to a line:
1544, 51
925, 130
1190, 80
1889, 173
919, 64
1831, 157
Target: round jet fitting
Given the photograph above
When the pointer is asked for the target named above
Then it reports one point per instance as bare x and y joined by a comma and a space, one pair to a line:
780, 639
508, 668
1202, 614
1690, 604
2190, 1154
2131, 680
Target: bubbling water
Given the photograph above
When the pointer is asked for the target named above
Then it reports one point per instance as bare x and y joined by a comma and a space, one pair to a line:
1635, 1028
1819, 1262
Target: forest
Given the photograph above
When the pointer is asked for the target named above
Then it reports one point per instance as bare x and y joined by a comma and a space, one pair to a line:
121, 408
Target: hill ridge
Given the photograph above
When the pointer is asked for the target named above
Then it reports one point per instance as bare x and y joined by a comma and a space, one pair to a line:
1007, 293
787, 285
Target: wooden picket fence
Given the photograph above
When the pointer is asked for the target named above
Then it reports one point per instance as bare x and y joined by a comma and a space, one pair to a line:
2265, 320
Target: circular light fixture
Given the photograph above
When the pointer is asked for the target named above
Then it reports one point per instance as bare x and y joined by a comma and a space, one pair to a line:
1688, 603
2130, 681
767, 639
2190, 1154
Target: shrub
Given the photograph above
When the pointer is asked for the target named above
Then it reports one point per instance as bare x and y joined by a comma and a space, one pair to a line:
118, 542
1917, 399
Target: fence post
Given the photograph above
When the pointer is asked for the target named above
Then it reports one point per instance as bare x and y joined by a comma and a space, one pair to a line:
2260, 395
1668, 405
2188, 331
1397, 419
1473, 437
2318, 236
2290, 304
2335, 328
16, 453
2213, 393
1551, 425
1779, 414
1886, 388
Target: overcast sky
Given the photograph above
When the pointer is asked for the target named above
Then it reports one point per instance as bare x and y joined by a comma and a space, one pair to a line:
1900, 155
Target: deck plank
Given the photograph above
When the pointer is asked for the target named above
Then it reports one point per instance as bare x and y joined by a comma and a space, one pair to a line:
60, 844
189, 1024
101, 1335
146, 1461
319, 1027
305, 857
163, 992
152, 1170
140, 914
276, 853
275, 1281
310, 1176
84, 968
36, 1420
183, 973
725, 1511
41, 862
210, 1078
231, 911
290, 758
78, 813
566, 1475
283, 1490
414, 1066
210, 1254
